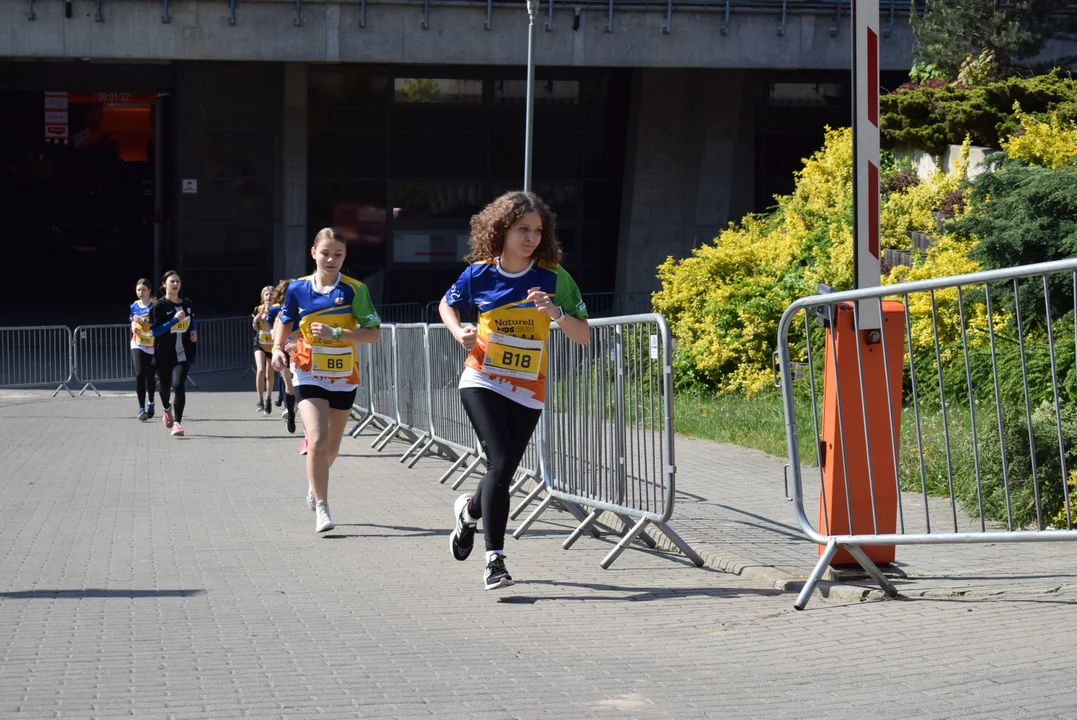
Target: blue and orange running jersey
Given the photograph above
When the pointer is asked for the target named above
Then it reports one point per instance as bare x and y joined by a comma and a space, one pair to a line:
510, 355
142, 336
330, 364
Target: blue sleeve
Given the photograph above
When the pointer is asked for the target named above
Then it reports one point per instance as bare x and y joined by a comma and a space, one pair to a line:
272, 313
459, 295
130, 312
289, 311
163, 328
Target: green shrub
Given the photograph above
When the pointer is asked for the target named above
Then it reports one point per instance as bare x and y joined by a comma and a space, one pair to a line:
930, 118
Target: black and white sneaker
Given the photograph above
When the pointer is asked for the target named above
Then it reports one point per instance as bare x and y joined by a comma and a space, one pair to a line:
463, 535
259, 408
290, 420
496, 575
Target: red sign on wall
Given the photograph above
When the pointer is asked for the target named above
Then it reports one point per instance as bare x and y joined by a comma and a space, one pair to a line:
56, 117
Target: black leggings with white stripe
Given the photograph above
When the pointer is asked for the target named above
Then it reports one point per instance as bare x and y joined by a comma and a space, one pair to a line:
504, 428
173, 378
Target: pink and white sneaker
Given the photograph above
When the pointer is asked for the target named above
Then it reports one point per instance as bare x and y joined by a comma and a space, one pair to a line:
303, 447
167, 419
177, 430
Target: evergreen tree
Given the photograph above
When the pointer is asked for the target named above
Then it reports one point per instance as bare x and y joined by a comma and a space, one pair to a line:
949, 31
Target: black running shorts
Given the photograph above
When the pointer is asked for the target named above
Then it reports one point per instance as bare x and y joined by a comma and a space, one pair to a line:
338, 400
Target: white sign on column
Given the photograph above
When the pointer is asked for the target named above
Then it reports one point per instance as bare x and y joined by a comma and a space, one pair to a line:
866, 255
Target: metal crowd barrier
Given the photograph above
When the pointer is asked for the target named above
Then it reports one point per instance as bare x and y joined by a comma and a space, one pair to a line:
449, 425
413, 398
224, 344
604, 445
32, 356
606, 439
384, 409
981, 449
409, 312
102, 353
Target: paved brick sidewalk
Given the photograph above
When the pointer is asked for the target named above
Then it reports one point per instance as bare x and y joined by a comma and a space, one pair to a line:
152, 577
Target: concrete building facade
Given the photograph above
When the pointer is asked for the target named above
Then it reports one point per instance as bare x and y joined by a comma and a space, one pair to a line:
217, 137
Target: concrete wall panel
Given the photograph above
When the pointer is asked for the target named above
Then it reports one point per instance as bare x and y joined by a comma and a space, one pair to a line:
330, 32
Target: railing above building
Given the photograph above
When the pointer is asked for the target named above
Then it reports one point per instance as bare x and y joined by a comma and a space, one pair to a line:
890, 10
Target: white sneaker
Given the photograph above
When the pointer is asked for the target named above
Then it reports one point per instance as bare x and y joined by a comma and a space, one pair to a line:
310, 500
323, 522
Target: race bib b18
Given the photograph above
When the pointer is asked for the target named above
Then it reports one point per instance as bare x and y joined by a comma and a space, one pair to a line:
512, 357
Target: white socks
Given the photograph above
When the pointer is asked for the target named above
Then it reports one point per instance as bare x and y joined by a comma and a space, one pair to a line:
491, 554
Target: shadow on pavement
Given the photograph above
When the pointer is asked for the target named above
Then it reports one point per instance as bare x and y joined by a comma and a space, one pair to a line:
85, 593
633, 594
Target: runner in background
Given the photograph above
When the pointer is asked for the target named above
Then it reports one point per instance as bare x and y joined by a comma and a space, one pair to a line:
175, 348
142, 347
519, 287
333, 312
278, 291
285, 375
263, 350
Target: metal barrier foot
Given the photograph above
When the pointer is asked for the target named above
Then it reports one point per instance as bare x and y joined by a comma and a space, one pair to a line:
83, 391
587, 522
681, 544
361, 425
422, 452
387, 432
871, 569
412, 447
580, 514
623, 543
644, 537
453, 468
467, 471
398, 428
63, 386
193, 383
816, 573
527, 501
518, 484
518, 533
247, 372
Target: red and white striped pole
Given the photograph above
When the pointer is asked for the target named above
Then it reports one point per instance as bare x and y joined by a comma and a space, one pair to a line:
867, 267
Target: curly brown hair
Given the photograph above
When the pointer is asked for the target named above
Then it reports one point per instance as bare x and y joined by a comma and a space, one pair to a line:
489, 226
279, 291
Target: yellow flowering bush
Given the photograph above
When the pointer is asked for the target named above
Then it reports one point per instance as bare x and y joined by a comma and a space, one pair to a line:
1051, 143
949, 256
725, 300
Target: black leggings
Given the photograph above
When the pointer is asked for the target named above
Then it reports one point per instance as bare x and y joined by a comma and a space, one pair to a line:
504, 428
143, 362
174, 378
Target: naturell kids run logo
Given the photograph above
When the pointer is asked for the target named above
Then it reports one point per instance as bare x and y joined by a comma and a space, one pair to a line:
513, 326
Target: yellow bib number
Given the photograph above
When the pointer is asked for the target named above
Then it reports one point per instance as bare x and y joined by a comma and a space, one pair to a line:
512, 357
144, 340
265, 338
332, 363
182, 325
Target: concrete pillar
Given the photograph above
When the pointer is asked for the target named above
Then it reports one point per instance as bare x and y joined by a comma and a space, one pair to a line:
689, 169
292, 241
